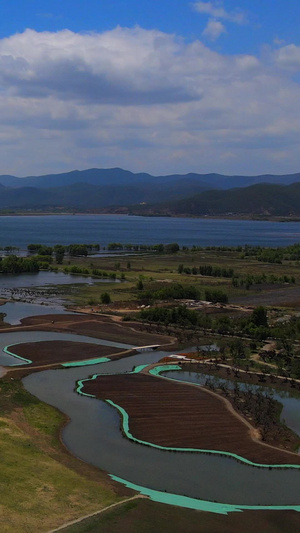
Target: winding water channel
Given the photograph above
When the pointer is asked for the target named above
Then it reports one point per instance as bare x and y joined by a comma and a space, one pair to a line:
93, 434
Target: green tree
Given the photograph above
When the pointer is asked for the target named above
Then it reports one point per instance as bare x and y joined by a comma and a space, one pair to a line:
140, 285
105, 298
259, 317
59, 252
237, 350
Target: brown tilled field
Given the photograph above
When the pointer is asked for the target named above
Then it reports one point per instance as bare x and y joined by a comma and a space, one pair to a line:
101, 327
185, 416
48, 352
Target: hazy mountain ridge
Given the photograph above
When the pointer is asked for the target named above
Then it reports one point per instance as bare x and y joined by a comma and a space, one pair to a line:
261, 199
194, 194
99, 176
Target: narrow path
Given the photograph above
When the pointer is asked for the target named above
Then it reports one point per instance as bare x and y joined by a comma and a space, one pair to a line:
73, 522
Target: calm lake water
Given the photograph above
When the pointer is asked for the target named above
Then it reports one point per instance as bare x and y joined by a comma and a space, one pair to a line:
103, 229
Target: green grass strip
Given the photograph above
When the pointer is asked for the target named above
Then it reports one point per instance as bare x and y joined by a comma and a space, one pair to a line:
6, 350
138, 369
87, 362
80, 385
158, 369
201, 505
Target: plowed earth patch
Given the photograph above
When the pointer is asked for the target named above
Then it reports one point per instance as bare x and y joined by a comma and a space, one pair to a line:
48, 352
183, 416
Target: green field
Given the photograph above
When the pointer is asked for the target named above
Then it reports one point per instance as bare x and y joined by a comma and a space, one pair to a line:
42, 486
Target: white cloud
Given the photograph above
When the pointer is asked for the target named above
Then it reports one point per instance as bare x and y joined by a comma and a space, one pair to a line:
217, 11
147, 101
214, 29
288, 56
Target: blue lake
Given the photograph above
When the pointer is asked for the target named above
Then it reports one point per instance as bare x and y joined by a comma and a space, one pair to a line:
103, 229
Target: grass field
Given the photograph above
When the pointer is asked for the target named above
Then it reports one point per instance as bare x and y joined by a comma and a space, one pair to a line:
155, 270
41, 485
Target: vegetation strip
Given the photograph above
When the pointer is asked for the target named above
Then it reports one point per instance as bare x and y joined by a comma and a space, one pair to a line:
201, 505
6, 350
86, 363
158, 369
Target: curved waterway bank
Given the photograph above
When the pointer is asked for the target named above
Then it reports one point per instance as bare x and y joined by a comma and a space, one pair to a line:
94, 436
10, 339
15, 311
290, 414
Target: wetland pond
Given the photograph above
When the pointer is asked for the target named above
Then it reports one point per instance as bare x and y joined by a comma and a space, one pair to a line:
42, 287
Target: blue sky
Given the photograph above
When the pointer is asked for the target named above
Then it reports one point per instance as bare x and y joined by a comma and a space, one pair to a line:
266, 19
161, 86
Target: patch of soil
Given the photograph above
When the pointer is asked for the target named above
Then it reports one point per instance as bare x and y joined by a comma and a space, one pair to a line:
101, 327
276, 297
184, 416
48, 352
149, 517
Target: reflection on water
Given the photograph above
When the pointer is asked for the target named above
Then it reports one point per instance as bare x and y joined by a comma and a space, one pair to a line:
39, 279
41, 287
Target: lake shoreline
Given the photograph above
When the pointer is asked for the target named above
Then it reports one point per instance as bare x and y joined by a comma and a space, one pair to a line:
253, 218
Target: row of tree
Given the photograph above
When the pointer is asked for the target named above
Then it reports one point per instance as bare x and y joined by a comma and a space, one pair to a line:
15, 265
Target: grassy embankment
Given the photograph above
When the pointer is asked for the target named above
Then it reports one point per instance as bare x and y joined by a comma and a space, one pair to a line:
42, 486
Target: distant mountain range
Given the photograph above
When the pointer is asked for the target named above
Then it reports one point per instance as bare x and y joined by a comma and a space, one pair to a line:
264, 200
118, 190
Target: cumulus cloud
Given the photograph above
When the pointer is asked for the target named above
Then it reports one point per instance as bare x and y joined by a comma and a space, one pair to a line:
214, 29
217, 11
113, 67
289, 56
144, 100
